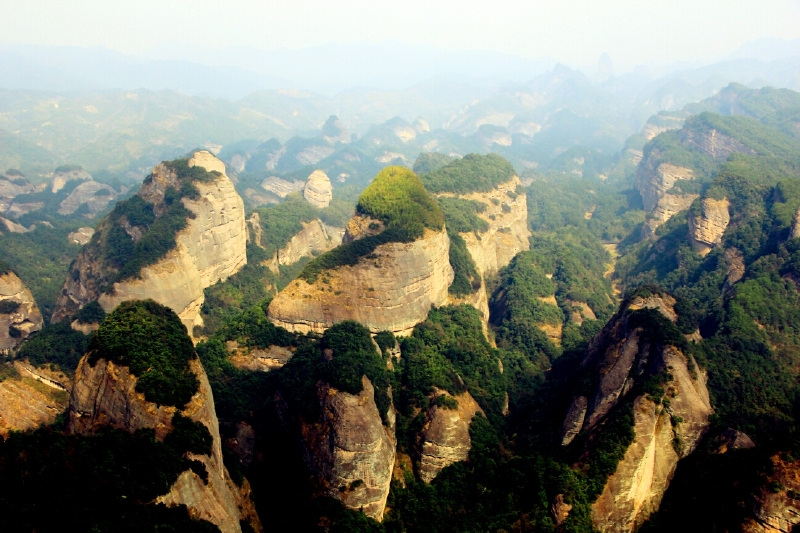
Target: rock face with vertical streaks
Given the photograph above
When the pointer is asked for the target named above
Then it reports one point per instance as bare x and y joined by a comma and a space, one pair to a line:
633, 347
656, 180
210, 248
19, 314
707, 228
349, 450
315, 238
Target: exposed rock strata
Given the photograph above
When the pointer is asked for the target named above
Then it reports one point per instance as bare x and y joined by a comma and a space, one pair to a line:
81, 236
445, 436
22, 316
350, 451
620, 358
211, 248
95, 195
391, 290
315, 238
105, 395
655, 181
281, 187
61, 177
317, 190
706, 230
715, 144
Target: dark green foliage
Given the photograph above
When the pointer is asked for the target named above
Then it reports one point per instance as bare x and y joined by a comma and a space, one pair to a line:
446, 402
385, 341
55, 344
253, 328
110, 480
428, 162
283, 221
472, 173
188, 435
397, 198
461, 215
90, 313
149, 339
4, 268
8, 306
466, 279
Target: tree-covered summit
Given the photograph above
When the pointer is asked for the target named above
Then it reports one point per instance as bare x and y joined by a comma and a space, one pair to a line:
472, 173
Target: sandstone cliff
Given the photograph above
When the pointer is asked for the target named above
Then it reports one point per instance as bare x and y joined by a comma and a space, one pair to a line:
507, 216
317, 190
210, 248
714, 144
392, 289
315, 238
777, 509
707, 228
95, 195
105, 395
349, 450
655, 180
445, 436
30, 397
626, 353
19, 314
62, 175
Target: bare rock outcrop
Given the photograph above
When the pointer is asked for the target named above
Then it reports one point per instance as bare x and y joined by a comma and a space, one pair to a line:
733, 439
315, 238
777, 509
621, 356
96, 197
349, 450
66, 174
209, 249
81, 236
655, 181
573, 422
30, 397
795, 230
317, 190
706, 229
9, 226
715, 144
19, 314
445, 436
281, 187
507, 216
104, 394
392, 289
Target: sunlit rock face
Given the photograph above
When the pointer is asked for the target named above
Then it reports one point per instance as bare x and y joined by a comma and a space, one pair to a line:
392, 289
19, 314
707, 228
211, 248
317, 190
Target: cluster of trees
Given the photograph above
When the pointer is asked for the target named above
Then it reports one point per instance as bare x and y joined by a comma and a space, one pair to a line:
472, 173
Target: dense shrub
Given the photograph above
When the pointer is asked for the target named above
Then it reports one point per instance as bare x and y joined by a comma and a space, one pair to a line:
57, 344
472, 173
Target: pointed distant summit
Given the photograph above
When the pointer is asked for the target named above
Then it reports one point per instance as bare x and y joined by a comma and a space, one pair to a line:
605, 69
334, 131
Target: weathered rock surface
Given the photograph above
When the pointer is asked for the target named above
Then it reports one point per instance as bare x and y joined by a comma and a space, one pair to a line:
573, 422
777, 511
715, 144
733, 439
508, 231
706, 230
317, 190
620, 358
392, 289
209, 249
95, 195
281, 187
81, 236
315, 238
31, 397
655, 181
9, 226
61, 177
11, 186
350, 451
105, 395
19, 314
445, 436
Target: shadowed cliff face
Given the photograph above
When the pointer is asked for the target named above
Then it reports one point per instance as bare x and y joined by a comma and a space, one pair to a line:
638, 361
19, 314
210, 248
349, 449
105, 395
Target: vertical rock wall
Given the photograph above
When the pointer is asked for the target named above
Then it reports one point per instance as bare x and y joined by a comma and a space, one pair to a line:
19, 314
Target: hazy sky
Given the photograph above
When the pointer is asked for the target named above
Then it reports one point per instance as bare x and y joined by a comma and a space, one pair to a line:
574, 32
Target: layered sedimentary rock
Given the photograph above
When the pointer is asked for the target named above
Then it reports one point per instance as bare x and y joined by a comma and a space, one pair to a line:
62, 176
209, 249
445, 436
81, 236
349, 450
19, 314
392, 289
315, 238
655, 181
95, 195
620, 358
31, 397
281, 187
105, 395
317, 190
507, 216
715, 144
707, 228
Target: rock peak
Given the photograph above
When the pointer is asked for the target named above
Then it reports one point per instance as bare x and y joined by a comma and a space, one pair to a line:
318, 190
